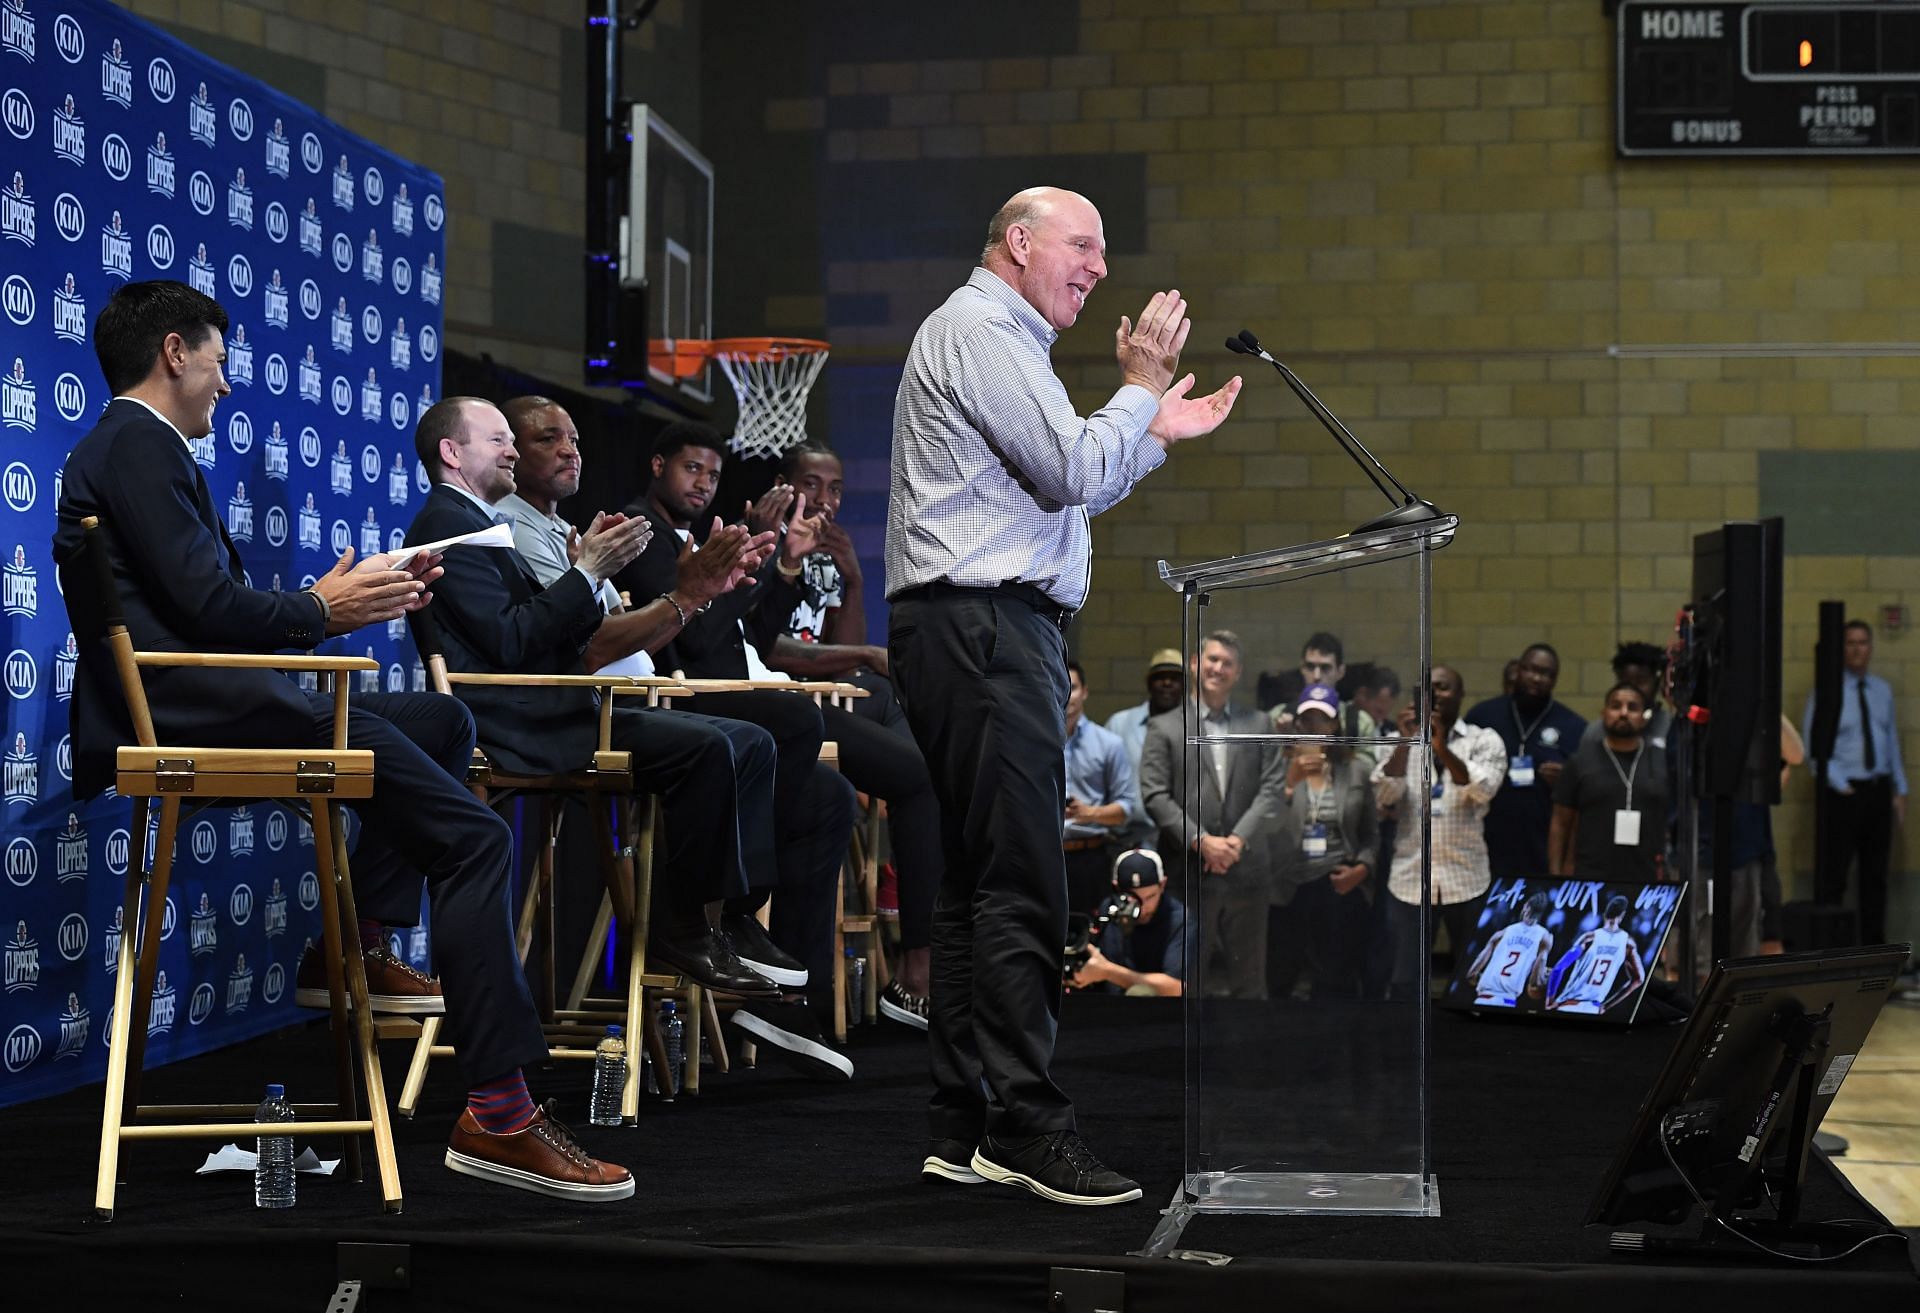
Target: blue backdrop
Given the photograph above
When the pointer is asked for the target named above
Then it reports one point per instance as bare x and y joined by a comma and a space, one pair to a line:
129, 156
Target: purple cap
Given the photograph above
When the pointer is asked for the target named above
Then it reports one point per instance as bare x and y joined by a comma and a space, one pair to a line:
1318, 697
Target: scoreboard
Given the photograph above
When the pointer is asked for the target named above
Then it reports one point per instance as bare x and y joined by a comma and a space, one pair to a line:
1768, 77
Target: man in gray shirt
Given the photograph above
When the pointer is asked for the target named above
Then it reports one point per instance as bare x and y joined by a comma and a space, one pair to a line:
994, 477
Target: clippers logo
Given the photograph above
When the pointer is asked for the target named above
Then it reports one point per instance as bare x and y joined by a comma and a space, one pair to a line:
160, 81
116, 77
203, 929
240, 841
372, 263
240, 905
240, 275
110, 957
370, 464
370, 398
275, 451
69, 135
370, 538
429, 343
419, 677
70, 397
21, 586
206, 846
274, 985
69, 311
396, 678
21, 490
16, 212
17, 111
311, 153
310, 230
161, 1010
200, 117
309, 445
22, 960
273, 913
240, 515
117, 850
279, 151
398, 411
22, 675
239, 986
23, 862
402, 212
342, 395
402, 275
240, 120
340, 328
309, 526
240, 201
343, 185
420, 408
200, 272
434, 212
309, 891
19, 403
23, 1041
117, 159
74, 1022
370, 324
200, 192
430, 281
69, 217
68, 39
340, 470
116, 249
277, 524
160, 246
276, 834
397, 627
200, 1004
239, 428
240, 361
276, 373
342, 252
206, 451
16, 295
370, 679
309, 298
397, 480
400, 346
17, 38
65, 663
70, 852
278, 224
341, 536
72, 937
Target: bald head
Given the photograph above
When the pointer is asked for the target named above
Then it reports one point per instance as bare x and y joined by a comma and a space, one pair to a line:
1049, 245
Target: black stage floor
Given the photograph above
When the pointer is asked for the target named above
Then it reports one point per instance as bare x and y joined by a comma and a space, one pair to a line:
773, 1192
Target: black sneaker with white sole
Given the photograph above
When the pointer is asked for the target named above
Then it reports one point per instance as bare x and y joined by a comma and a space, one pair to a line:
908, 1009
792, 1035
1057, 1166
950, 1162
757, 951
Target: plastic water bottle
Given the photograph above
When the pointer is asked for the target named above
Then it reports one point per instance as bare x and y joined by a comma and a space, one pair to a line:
609, 1079
674, 1035
273, 1179
856, 988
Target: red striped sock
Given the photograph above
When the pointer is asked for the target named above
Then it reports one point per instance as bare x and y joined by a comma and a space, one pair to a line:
370, 935
502, 1106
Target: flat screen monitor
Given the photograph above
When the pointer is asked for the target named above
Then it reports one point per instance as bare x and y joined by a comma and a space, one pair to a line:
1552, 947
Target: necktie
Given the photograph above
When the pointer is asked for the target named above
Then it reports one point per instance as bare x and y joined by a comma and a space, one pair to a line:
1866, 725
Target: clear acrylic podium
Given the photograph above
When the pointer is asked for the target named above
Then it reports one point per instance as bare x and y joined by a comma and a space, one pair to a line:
1316, 1101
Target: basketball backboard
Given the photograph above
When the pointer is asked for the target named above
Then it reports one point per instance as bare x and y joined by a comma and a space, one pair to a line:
666, 240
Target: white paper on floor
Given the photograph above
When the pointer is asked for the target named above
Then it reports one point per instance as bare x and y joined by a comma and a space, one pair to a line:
232, 1158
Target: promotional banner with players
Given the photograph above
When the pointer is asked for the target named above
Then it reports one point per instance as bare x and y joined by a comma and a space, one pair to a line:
1565, 948
129, 156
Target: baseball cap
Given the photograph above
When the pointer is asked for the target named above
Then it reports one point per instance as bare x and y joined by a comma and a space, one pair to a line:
1318, 697
1165, 659
1137, 868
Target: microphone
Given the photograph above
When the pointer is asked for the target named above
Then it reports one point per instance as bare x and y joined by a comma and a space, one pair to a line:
1407, 508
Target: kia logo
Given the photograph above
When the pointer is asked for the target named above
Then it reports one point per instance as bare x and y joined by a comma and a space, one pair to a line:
68, 39
240, 120
240, 276
369, 322
118, 844
116, 156
309, 447
309, 891
342, 394
311, 154
200, 192
21, 491
160, 81
63, 755
276, 830
398, 410
240, 904
205, 842
429, 343
200, 1007
342, 539
375, 185
434, 212
277, 222
396, 540
274, 983
23, 862
276, 374
370, 463
73, 937
17, 110
69, 397
23, 1047
160, 246
402, 275
342, 252
240, 433
276, 526
17, 295
69, 216
22, 675
309, 298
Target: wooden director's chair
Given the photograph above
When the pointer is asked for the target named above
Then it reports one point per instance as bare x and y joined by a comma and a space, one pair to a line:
606, 789
307, 779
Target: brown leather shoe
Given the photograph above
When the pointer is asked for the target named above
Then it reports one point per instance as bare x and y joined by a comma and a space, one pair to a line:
543, 1158
392, 985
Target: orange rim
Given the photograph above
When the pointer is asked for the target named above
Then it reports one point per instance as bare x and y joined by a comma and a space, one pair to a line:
685, 357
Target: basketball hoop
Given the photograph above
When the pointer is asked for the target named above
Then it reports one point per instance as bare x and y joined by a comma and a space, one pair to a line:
771, 377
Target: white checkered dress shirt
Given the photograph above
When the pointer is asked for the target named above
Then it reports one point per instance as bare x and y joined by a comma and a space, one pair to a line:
1458, 830
994, 475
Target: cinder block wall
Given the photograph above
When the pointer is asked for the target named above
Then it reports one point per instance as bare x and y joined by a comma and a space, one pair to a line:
1589, 359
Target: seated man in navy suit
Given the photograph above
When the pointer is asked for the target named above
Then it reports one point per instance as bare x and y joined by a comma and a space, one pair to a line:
181, 587
497, 614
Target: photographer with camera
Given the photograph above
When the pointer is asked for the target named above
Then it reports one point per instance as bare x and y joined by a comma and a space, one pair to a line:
1136, 940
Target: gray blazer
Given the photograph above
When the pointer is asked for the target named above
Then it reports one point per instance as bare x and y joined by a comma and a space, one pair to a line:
1246, 803
1359, 823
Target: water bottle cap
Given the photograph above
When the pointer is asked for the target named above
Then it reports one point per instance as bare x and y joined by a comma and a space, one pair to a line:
851, 953
276, 1091
666, 1005
616, 1031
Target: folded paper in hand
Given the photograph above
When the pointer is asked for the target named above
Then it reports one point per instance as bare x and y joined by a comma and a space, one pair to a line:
494, 535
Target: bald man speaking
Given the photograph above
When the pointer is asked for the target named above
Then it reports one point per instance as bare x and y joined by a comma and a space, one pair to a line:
988, 551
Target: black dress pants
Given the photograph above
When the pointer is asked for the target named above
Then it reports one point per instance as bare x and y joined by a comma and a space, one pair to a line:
1859, 826
702, 768
983, 677
422, 821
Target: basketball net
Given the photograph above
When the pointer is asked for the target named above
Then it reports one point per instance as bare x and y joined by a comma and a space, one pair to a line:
771, 381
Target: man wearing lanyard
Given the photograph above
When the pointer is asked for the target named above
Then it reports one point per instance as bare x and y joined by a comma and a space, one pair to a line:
1540, 735
1865, 789
1610, 806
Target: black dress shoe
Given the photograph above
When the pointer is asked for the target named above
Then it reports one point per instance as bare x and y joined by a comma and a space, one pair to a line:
759, 953
708, 961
